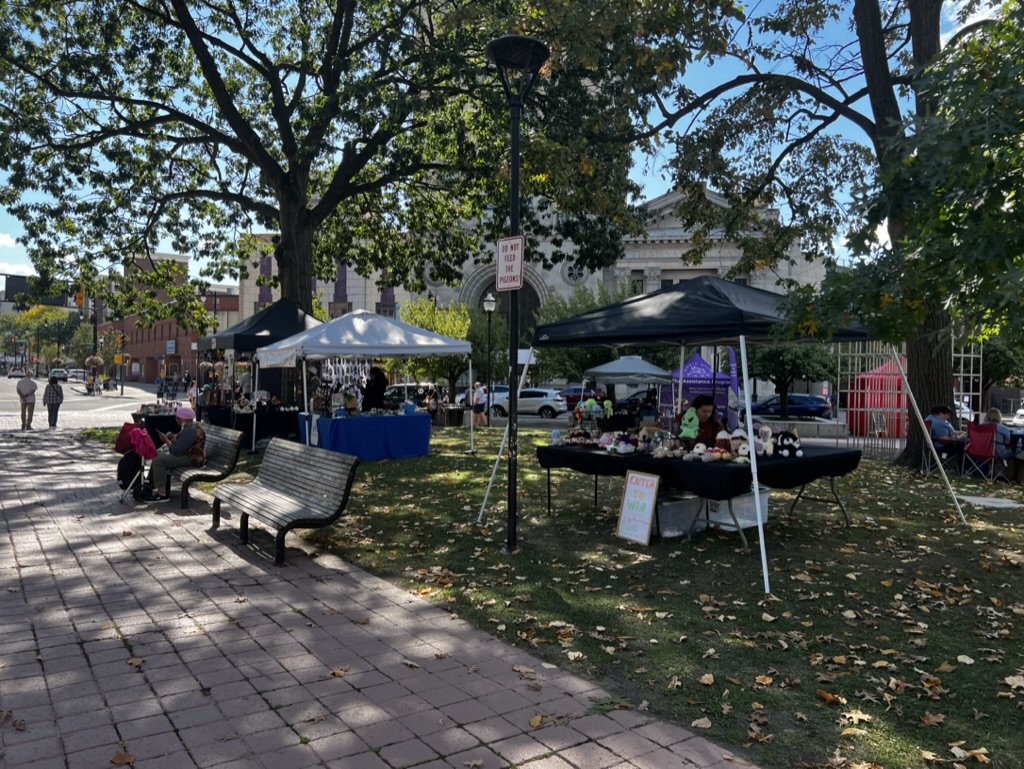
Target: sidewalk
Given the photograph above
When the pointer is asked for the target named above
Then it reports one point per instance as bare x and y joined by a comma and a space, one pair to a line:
137, 631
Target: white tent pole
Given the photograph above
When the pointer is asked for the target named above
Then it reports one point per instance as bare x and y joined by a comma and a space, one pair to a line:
504, 438
308, 426
679, 384
753, 464
924, 431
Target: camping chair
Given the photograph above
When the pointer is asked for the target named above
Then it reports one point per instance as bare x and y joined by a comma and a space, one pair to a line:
950, 454
980, 454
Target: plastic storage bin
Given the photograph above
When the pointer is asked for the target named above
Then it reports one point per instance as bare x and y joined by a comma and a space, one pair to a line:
742, 506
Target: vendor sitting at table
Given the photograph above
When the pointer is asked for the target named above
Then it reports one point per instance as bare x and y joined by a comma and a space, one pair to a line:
186, 447
707, 413
373, 390
942, 432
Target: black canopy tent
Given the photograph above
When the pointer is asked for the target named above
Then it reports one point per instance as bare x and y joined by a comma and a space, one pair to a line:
278, 321
273, 323
704, 310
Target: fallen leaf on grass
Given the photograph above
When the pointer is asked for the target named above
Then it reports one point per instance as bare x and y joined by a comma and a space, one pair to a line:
856, 717
963, 659
702, 723
945, 667
707, 679
929, 719
1014, 682
831, 699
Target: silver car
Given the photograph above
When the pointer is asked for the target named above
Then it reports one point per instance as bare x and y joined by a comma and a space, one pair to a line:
1018, 418
534, 400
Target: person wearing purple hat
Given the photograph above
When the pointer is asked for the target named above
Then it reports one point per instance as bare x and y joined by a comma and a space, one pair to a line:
187, 447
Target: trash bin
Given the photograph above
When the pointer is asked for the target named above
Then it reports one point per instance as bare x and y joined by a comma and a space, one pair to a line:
450, 415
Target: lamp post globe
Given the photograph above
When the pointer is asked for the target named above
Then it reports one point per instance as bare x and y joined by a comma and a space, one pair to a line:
525, 55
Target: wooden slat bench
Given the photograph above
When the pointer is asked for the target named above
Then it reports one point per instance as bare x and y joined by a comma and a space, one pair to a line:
297, 487
222, 448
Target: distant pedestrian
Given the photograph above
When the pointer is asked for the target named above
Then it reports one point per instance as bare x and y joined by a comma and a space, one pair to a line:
53, 396
479, 405
27, 395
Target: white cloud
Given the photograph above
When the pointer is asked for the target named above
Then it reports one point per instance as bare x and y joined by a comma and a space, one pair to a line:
9, 268
6, 241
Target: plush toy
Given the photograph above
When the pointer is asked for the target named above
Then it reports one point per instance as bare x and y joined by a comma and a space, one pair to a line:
764, 444
789, 445
690, 425
715, 454
696, 454
743, 453
723, 440
556, 437
609, 409
738, 436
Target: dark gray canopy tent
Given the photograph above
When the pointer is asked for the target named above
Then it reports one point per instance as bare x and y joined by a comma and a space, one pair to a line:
705, 310
273, 323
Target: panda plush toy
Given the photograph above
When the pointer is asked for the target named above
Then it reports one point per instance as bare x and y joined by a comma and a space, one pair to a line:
788, 445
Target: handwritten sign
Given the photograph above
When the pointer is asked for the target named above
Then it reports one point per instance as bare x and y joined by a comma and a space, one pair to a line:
636, 514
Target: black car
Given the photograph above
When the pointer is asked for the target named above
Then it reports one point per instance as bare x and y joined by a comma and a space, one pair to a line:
398, 394
800, 406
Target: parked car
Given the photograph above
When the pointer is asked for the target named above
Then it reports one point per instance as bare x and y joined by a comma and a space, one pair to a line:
499, 393
535, 400
78, 374
398, 394
631, 404
963, 412
574, 395
1018, 419
15, 372
60, 373
801, 406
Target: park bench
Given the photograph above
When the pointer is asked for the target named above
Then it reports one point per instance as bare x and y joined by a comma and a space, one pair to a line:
222, 448
297, 487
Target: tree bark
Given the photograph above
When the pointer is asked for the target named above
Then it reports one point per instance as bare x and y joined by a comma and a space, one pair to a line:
294, 255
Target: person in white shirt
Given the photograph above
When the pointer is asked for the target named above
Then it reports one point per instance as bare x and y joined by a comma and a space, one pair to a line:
27, 395
479, 405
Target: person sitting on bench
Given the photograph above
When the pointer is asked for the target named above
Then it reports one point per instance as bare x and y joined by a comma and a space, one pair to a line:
185, 447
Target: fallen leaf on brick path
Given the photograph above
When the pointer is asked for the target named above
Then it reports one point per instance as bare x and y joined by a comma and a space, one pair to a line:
441, 656
340, 672
831, 699
136, 661
702, 723
963, 659
410, 664
929, 719
127, 533
329, 612
946, 667
476, 762
120, 758
525, 672
537, 721
707, 679
855, 717
361, 621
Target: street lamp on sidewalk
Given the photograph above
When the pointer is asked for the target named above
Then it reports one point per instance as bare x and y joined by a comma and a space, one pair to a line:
525, 56
489, 304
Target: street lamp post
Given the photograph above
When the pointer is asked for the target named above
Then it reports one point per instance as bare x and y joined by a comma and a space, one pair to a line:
524, 55
489, 304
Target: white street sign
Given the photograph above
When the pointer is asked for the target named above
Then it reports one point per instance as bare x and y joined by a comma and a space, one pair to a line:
509, 276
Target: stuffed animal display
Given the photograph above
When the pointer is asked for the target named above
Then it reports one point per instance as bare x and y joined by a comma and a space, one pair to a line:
764, 443
696, 453
789, 445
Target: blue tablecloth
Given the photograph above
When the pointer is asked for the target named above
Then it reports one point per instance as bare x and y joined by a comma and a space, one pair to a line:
376, 437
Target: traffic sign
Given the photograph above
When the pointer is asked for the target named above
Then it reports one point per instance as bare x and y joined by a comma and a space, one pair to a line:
509, 273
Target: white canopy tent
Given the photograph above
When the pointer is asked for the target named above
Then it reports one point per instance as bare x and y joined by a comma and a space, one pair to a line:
360, 334
629, 369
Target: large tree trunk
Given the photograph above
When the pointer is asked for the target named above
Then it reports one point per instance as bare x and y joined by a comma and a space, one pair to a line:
930, 375
294, 256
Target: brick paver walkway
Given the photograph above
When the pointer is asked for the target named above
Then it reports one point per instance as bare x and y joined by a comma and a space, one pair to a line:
137, 633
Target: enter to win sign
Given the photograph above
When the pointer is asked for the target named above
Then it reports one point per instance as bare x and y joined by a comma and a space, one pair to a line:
636, 514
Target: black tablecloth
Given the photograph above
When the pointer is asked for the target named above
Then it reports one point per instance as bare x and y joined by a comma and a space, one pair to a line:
712, 480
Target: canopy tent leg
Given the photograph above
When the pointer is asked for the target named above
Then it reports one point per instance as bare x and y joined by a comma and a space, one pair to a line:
753, 464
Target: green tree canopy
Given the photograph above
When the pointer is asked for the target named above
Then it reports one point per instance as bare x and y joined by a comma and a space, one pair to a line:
784, 364
369, 132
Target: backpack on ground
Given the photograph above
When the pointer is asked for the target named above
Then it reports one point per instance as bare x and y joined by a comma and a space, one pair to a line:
128, 474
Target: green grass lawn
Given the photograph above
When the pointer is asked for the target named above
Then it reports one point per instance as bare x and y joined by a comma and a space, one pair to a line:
892, 643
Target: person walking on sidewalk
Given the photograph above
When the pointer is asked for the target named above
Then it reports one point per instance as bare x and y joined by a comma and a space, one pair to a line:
53, 396
27, 395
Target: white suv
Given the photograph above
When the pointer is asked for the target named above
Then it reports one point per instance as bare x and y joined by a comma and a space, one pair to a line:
533, 400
